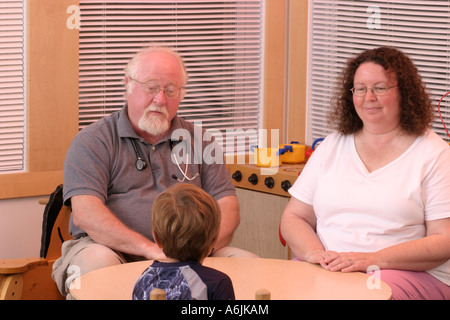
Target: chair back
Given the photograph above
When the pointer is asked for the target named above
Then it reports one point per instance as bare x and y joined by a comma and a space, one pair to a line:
55, 225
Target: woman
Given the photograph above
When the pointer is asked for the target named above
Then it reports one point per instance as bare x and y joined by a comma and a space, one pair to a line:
377, 192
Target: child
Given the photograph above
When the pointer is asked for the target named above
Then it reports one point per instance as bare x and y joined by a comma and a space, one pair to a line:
185, 222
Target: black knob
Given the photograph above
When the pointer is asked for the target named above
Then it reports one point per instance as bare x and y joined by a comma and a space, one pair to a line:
269, 182
253, 179
237, 175
286, 185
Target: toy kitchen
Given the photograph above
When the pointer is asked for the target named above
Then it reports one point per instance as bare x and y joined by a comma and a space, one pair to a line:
262, 180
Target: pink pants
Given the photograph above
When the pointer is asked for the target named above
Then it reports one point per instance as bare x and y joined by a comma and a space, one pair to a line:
414, 285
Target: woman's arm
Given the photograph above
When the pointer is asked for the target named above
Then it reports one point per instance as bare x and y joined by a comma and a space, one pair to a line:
298, 224
416, 255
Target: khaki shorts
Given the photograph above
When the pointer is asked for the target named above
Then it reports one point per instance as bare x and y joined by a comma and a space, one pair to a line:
79, 256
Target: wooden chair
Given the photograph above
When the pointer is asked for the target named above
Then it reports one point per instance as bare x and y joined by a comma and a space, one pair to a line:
30, 278
283, 242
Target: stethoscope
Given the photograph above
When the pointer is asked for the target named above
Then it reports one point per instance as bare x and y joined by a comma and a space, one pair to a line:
141, 164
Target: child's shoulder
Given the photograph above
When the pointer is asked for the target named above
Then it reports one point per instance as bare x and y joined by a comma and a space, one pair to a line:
219, 284
210, 276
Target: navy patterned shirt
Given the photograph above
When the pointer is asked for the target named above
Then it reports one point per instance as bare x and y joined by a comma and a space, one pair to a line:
188, 280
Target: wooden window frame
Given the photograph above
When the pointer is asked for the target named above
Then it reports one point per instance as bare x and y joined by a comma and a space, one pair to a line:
52, 87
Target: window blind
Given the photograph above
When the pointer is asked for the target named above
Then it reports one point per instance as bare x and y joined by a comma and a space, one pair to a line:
220, 42
12, 106
341, 29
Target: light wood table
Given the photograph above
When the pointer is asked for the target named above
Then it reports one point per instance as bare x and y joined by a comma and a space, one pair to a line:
285, 279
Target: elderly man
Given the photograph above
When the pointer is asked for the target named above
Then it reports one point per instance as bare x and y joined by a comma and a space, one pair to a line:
116, 167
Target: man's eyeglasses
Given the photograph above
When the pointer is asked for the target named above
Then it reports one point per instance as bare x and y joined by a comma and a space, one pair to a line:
171, 91
378, 91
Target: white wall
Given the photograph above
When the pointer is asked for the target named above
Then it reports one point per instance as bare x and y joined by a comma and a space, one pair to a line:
20, 227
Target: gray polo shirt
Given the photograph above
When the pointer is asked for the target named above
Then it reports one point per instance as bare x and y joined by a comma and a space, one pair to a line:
101, 162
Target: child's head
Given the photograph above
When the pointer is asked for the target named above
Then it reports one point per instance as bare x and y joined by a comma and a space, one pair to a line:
185, 221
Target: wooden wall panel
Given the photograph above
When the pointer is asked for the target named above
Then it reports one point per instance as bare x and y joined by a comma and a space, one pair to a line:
52, 98
274, 67
285, 68
298, 59
52, 84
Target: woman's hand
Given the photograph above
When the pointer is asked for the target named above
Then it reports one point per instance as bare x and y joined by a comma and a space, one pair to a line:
319, 257
348, 261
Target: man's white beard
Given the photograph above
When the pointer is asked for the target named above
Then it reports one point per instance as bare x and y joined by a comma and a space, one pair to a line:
154, 124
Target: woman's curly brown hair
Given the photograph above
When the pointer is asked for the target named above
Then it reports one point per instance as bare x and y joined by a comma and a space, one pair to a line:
415, 104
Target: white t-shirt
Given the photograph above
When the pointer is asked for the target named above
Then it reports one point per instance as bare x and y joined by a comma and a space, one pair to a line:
364, 211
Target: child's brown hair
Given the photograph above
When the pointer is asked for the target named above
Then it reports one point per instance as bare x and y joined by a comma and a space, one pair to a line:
186, 222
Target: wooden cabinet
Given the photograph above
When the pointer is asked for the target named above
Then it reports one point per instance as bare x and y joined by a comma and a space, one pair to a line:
260, 219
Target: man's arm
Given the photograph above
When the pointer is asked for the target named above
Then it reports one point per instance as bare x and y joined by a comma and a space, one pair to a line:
229, 208
91, 215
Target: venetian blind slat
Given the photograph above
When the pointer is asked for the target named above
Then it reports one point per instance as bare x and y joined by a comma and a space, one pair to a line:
220, 42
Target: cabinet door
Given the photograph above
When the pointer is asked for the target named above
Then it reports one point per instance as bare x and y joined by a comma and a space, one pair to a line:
260, 219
